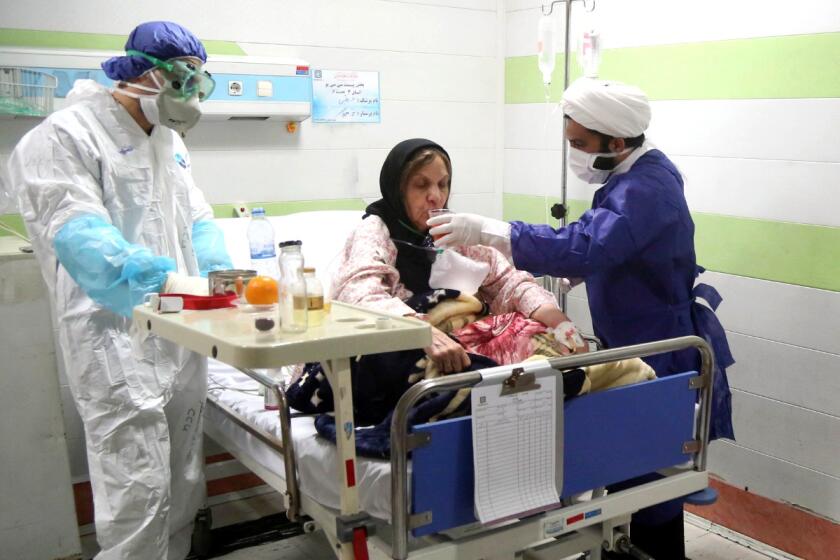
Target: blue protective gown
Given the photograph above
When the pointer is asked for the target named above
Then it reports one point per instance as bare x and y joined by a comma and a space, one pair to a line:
635, 250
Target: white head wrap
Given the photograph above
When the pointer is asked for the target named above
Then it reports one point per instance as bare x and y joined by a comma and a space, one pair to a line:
613, 108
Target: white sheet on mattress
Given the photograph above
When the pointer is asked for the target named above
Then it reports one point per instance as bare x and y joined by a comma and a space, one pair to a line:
316, 457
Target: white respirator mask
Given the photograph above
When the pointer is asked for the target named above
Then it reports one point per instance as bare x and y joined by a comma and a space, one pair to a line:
593, 168
166, 107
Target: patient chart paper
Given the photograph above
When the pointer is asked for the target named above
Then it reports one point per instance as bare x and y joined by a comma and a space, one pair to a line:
514, 453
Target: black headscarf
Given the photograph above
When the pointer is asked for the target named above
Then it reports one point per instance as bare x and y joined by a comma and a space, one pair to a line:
413, 264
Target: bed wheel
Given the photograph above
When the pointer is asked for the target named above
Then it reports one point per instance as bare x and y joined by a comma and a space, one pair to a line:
309, 526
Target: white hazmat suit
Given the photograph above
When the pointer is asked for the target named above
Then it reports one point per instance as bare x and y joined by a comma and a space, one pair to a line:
140, 399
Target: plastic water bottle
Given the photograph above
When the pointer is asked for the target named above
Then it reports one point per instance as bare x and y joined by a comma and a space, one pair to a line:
261, 242
293, 301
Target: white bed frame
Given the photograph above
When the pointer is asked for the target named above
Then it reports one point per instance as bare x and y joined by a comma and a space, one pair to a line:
523, 538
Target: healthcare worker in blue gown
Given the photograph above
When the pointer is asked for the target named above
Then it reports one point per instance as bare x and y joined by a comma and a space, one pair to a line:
634, 249
105, 189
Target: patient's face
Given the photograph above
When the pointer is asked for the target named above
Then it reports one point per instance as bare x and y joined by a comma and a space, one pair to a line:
426, 189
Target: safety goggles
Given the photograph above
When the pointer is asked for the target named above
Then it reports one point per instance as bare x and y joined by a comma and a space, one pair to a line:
182, 76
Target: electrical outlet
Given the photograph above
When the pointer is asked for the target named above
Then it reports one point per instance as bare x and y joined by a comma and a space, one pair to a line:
241, 210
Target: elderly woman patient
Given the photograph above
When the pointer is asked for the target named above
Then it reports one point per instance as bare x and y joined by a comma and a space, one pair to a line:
386, 265
388, 258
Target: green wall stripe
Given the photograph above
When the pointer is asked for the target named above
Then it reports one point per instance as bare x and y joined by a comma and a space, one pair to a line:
537, 209
801, 254
789, 67
14, 221
96, 41
226, 210
292, 206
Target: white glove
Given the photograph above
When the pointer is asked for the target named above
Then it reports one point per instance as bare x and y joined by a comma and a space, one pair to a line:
567, 334
470, 229
177, 283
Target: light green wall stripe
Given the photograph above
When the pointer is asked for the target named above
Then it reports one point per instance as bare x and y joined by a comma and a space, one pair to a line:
790, 67
226, 210
293, 206
14, 221
801, 254
537, 209
96, 41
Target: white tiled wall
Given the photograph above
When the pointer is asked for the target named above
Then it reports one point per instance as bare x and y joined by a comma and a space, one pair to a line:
439, 72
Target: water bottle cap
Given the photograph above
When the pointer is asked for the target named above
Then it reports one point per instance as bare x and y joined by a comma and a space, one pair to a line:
256, 212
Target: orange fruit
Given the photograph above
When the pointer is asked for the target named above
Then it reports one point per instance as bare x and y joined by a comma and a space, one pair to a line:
261, 290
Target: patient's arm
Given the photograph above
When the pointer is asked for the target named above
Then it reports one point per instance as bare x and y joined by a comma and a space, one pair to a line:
507, 289
549, 315
367, 275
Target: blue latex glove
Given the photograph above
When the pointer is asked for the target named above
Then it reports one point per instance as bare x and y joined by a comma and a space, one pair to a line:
209, 244
112, 271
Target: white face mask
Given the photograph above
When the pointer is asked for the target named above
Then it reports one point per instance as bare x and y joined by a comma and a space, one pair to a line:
178, 113
583, 165
166, 107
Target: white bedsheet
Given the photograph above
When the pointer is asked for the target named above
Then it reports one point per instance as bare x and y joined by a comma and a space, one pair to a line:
316, 457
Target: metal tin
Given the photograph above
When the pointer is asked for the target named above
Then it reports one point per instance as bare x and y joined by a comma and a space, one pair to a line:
223, 281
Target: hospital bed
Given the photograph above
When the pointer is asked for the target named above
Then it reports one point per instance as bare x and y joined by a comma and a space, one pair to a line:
420, 503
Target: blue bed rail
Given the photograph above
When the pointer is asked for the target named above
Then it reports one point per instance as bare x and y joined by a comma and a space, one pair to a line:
612, 435
609, 437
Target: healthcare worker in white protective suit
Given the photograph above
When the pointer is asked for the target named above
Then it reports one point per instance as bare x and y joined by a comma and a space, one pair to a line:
105, 190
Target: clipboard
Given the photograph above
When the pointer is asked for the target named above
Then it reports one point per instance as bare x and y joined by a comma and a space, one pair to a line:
512, 410
519, 382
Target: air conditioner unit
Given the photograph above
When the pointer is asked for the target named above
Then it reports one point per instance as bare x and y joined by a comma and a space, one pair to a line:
259, 88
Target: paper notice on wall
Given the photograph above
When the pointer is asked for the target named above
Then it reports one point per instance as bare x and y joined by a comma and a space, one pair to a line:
345, 96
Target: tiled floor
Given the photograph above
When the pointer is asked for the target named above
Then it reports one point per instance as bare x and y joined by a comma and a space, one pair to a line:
700, 545
703, 545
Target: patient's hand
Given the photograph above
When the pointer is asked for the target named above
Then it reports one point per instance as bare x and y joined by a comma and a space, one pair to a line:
447, 354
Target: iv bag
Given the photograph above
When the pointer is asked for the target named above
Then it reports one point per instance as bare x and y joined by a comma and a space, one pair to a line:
589, 47
545, 47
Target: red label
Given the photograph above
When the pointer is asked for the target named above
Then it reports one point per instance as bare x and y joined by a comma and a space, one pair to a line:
351, 473
574, 519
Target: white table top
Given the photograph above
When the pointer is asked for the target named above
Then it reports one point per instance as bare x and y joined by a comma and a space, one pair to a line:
229, 335
10, 248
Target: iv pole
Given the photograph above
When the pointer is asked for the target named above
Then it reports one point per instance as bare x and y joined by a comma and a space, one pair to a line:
560, 211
